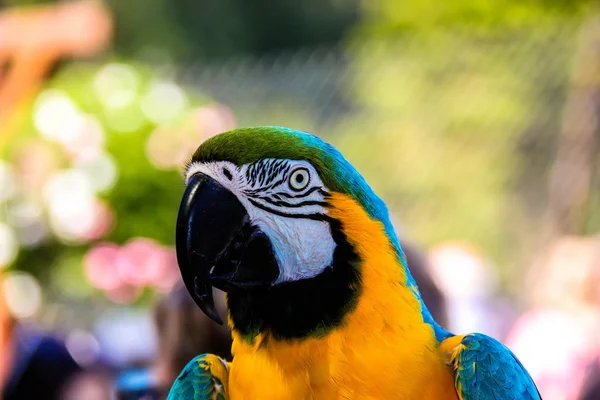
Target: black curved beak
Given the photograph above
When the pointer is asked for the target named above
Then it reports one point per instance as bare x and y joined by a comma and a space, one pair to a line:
217, 245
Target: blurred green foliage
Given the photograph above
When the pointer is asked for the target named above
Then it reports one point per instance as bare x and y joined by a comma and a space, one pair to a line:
144, 199
184, 30
208, 29
462, 104
391, 17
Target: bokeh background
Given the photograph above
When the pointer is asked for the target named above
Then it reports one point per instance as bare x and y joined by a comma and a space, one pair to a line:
477, 122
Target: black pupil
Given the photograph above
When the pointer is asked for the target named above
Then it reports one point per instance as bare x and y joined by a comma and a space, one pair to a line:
299, 178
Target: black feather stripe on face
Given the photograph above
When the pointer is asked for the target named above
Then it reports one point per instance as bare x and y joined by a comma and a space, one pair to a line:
304, 308
267, 174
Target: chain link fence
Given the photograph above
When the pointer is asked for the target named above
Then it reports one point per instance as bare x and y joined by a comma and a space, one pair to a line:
489, 138
459, 131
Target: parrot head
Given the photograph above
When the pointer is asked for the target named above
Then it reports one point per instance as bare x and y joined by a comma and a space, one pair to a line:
257, 221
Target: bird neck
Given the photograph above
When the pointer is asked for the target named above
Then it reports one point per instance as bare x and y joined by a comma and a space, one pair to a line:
367, 282
390, 295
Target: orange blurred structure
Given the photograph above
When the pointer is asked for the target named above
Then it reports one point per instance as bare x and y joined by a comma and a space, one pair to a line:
33, 39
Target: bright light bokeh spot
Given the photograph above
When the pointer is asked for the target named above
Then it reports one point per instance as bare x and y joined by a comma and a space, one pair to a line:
116, 85
23, 294
9, 245
7, 181
67, 189
71, 203
460, 271
102, 221
56, 117
164, 102
101, 171
88, 141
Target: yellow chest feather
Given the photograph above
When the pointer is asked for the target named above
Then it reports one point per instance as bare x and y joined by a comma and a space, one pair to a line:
383, 350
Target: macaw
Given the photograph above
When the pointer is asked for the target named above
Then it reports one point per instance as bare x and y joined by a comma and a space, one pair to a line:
320, 301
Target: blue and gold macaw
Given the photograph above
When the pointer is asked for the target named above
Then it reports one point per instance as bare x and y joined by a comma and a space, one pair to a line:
320, 301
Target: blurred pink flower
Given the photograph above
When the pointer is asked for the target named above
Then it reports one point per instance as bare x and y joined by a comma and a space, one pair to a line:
170, 274
122, 272
100, 266
138, 259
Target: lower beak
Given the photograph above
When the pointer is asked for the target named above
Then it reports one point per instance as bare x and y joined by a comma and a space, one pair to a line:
217, 245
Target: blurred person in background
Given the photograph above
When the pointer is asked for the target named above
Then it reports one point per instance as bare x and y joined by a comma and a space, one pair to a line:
469, 284
591, 388
33, 364
184, 332
557, 338
92, 384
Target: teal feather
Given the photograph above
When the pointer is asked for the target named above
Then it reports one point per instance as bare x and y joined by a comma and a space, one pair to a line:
195, 382
486, 369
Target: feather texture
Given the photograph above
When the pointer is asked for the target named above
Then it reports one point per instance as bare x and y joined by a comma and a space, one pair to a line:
203, 378
486, 369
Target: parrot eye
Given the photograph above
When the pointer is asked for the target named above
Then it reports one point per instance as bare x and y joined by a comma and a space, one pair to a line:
299, 179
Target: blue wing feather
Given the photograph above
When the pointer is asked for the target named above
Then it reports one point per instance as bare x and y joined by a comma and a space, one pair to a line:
486, 369
196, 382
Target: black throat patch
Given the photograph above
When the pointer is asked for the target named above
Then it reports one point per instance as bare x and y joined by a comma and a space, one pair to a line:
306, 308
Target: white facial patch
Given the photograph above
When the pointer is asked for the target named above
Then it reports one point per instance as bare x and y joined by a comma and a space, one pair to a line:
285, 199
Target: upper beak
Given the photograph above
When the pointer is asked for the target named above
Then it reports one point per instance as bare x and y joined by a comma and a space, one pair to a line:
217, 245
